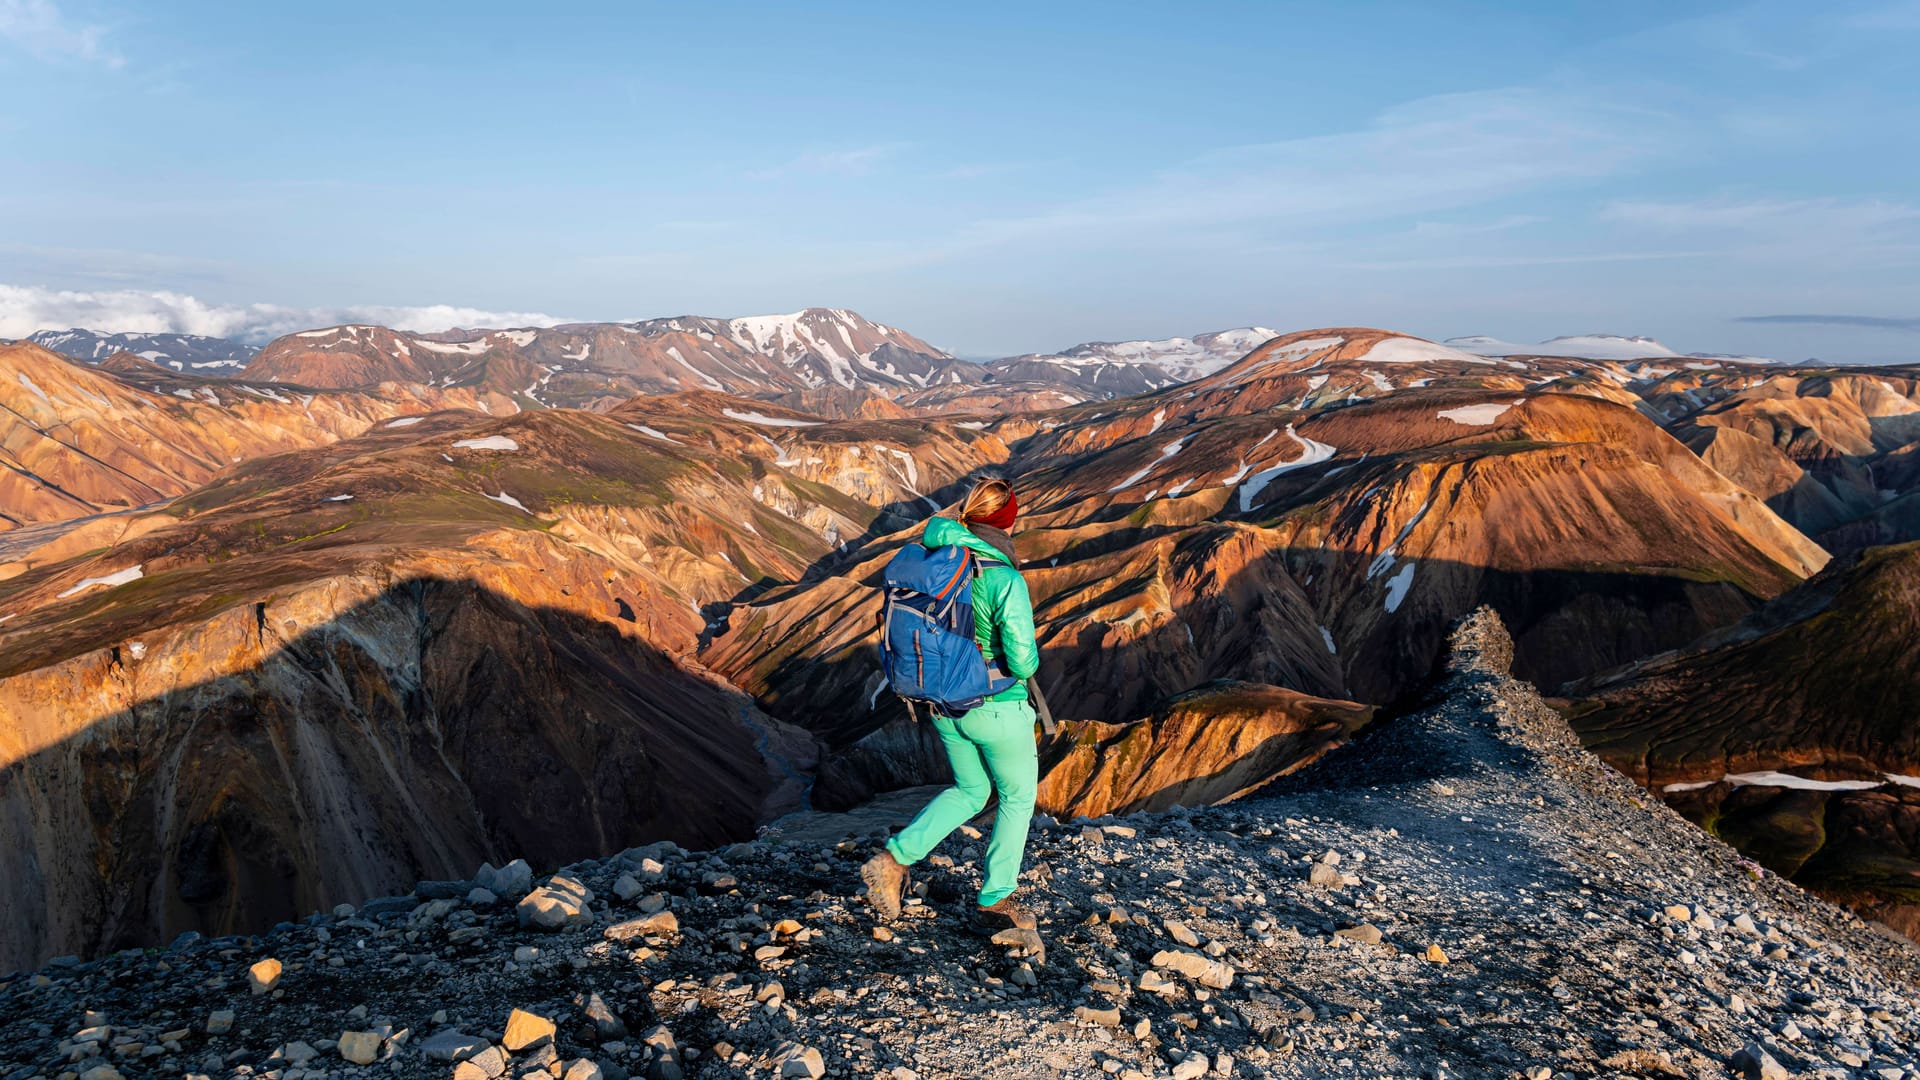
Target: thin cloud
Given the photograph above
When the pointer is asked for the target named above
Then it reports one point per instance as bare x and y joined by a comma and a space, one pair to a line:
1487, 262
1824, 215
1898, 16
1451, 229
1426, 156
25, 309
39, 28
859, 161
1863, 322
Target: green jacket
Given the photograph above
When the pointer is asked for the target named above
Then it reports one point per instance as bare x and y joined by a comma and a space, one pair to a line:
1002, 610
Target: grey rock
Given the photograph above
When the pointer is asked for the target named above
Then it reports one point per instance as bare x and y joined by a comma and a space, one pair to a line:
387, 905
1754, 1063
801, 1063
360, 1047
510, 881
450, 1046
491, 1062
442, 890
606, 1025
628, 887
1191, 1067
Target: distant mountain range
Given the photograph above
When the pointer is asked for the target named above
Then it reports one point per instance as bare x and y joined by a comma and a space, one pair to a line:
598, 365
831, 357
1103, 368
181, 352
1589, 347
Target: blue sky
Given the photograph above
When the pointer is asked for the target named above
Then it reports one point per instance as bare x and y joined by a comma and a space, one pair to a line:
995, 177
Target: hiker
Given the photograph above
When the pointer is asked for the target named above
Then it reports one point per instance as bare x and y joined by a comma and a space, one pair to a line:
990, 746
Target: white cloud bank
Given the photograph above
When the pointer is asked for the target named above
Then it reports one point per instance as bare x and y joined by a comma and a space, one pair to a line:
38, 27
25, 309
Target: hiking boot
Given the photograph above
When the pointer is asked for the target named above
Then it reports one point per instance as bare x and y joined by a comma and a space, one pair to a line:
1005, 915
885, 879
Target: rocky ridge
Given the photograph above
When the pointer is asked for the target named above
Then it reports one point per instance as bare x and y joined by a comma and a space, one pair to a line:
1463, 892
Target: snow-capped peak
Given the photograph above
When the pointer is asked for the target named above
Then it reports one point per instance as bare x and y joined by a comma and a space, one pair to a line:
1579, 346
181, 352
1181, 358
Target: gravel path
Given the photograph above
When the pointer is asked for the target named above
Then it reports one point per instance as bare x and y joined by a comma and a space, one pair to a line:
1463, 892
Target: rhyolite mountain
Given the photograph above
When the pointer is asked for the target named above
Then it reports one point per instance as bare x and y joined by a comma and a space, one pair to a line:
1792, 733
449, 638
598, 365
1097, 370
1231, 576
178, 352
77, 440
1305, 519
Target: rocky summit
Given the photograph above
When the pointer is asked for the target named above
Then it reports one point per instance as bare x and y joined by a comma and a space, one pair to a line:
1463, 891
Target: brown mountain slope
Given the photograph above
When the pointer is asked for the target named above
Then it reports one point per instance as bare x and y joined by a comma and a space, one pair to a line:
331, 672
1792, 735
1324, 552
1201, 748
1833, 450
76, 440
1825, 678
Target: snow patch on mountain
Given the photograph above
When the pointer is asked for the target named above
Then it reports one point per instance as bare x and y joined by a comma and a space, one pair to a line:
1577, 346
1166, 452
113, 580
654, 433
1311, 453
768, 421
30, 385
490, 442
1412, 350
1479, 415
1397, 586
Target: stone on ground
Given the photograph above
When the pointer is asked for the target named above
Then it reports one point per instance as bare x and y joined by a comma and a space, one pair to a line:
560, 903
360, 1047
802, 1063
526, 1031
264, 976
1754, 1063
510, 881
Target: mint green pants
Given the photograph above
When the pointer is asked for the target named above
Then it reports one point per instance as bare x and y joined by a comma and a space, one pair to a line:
990, 748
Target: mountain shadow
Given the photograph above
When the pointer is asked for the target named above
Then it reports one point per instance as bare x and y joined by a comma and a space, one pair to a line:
416, 734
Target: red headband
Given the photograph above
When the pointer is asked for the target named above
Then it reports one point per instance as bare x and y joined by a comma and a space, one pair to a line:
1002, 518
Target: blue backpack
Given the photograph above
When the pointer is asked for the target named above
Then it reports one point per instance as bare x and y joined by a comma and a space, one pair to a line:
927, 650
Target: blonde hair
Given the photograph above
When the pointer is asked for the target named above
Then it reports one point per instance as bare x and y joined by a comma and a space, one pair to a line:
986, 499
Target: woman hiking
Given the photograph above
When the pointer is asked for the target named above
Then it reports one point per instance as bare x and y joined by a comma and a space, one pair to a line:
991, 747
